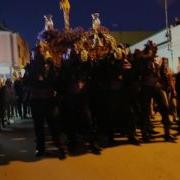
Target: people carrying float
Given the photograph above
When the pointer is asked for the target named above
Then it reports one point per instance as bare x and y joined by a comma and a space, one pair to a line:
92, 88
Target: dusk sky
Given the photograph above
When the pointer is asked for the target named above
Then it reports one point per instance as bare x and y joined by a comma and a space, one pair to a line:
26, 17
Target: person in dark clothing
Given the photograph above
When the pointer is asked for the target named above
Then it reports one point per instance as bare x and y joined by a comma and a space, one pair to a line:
74, 80
177, 86
168, 85
2, 105
18, 87
122, 76
26, 90
43, 104
136, 87
99, 99
151, 88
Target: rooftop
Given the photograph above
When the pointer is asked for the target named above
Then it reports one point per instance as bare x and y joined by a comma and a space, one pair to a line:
131, 37
3, 27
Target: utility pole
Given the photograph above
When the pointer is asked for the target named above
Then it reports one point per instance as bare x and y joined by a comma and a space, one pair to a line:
168, 31
166, 13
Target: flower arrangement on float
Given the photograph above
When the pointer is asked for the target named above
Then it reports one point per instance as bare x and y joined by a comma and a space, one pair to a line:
96, 43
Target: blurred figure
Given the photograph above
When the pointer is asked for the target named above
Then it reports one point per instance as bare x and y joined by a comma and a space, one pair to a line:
9, 99
2, 105
178, 97
168, 85
42, 102
152, 88
18, 87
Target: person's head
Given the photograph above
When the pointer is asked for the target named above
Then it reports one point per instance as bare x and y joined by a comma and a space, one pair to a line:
48, 65
2, 81
31, 54
8, 82
127, 50
39, 50
165, 62
150, 45
137, 54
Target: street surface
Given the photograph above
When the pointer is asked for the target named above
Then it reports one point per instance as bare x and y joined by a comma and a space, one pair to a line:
157, 160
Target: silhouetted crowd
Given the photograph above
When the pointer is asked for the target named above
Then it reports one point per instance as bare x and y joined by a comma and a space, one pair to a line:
94, 98
14, 100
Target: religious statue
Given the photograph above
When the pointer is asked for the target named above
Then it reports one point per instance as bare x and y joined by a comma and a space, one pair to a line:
65, 7
49, 25
96, 23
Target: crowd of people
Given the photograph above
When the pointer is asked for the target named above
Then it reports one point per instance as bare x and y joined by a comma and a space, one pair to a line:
14, 102
95, 97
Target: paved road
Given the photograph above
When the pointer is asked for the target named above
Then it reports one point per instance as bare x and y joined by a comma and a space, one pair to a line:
153, 161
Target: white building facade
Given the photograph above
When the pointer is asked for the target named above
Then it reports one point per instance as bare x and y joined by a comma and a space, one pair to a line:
166, 48
14, 51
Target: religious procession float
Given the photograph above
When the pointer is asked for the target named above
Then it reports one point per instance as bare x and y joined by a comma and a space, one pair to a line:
58, 44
